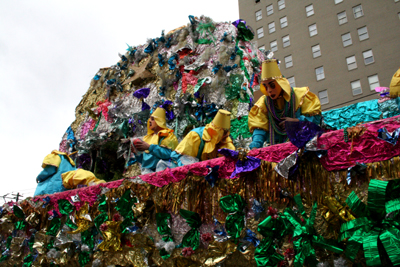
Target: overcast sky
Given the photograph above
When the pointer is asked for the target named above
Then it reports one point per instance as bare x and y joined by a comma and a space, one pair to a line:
50, 51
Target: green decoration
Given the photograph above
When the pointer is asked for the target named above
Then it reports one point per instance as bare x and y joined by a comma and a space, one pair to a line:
375, 226
50, 245
204, 41
242, 66
192, 237
121, 127
232, 90
102, 207
20, 225
100, 219
70, 224
237, 128
18, 212
124, 206
164, 254
163, 227
87, 238
84, 258
265, 253
97, 123
4, 257
65, 206
244, 33
199, 84
55, 224
8, 243
234, 205
204, 28
305, 237
31, 242
28, 260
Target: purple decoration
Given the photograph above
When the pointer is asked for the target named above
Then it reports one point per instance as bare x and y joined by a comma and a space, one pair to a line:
212, 176
197, 94
83, 159
301, 132
169, 113
145, 106
236, 22
142, 93
248, 165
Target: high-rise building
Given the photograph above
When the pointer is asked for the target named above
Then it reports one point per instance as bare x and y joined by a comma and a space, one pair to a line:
340, 49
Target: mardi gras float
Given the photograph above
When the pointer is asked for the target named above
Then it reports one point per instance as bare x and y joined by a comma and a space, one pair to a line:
328, 198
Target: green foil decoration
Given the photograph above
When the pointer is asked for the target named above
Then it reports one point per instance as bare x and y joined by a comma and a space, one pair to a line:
70, 224
18, 212
84, 258
20, 225
102, 207
3, 258
28, 260
376, 226
265, 253
163, 227
87, 238
192, 237
304, 237
100, 219
55, 225
234, 205
124, 206
232, 89
65, 206
237, 128
244, 33
8, 243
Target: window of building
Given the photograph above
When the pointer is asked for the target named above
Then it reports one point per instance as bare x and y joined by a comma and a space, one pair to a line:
368, 57
323, 97
283, 22
260, 32
292, 81
338, 1
358, 12
346, 39
356, 87
271, 27
288, 61
262, 48
319, 72
258, 15
342, 17
363, 33
274, 46
257, 1
286, 41
316, 51
313, 30
373, 82
309, 10
281, 4
270, 10
351, 63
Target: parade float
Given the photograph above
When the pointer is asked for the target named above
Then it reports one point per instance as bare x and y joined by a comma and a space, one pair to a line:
329, 197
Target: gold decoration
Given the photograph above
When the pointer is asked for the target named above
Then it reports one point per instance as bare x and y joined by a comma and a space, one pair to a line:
112, 237
141, 73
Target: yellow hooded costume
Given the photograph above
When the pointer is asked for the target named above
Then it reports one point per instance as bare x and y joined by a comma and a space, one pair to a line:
161, 143
204, 142
395, 85
296, 102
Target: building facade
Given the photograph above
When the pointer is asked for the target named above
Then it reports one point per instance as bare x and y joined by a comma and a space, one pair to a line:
340, 49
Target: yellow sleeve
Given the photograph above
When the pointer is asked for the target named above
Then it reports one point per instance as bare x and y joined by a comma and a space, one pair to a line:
54, 159
189, 145
395, 85
170, 141
307, 101
227, 144
72, 179
258, 116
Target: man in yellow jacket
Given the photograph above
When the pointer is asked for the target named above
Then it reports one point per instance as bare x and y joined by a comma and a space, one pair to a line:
280, 103
158, 144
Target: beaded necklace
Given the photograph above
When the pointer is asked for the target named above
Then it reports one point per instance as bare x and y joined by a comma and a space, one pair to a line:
275, 117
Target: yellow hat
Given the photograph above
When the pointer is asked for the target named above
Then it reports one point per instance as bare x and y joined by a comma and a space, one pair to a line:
160, 119
271, 71
222, 120
395, 84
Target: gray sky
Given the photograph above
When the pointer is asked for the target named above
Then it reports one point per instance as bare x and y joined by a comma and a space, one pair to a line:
50, 51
